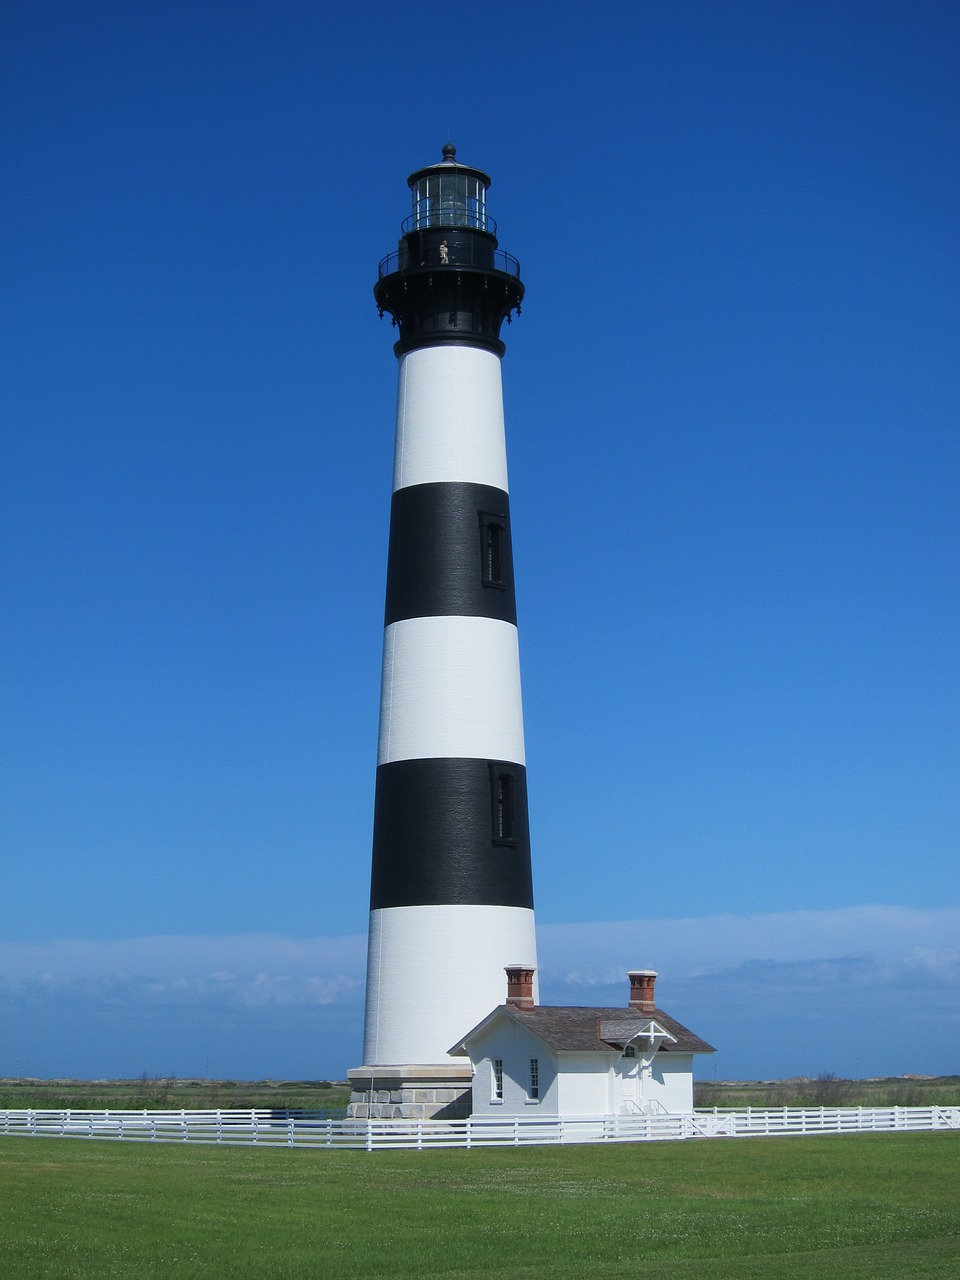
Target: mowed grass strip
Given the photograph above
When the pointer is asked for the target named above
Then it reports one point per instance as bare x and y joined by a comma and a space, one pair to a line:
872, 1206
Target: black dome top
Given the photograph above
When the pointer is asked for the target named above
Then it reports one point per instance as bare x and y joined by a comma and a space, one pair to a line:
449, 165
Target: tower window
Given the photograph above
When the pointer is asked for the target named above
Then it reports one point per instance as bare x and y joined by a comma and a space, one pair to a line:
503, 789
492, 536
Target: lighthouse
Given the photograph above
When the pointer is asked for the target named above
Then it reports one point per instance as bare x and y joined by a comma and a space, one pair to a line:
451, 901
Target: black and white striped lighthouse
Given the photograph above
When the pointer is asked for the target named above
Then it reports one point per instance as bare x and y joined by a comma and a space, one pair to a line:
451, 895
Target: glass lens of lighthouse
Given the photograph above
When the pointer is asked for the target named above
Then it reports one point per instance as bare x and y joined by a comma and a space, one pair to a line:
449, 200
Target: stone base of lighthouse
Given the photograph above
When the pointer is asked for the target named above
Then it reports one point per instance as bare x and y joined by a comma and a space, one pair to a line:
411, 1092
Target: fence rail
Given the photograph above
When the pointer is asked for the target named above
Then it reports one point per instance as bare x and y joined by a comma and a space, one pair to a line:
306, 1129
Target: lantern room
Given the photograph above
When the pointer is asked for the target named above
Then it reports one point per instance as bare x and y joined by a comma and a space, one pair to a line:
449, 195
448, 280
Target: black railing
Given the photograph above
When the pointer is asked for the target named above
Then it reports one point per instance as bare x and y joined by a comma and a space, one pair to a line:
463, 256
478, 220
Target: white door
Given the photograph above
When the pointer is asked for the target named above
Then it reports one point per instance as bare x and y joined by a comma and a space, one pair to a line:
629, 1070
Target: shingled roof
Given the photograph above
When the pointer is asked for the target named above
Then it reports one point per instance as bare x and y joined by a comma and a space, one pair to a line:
576, 1028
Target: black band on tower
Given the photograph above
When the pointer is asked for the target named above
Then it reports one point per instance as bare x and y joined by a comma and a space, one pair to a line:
451, 831
450, 553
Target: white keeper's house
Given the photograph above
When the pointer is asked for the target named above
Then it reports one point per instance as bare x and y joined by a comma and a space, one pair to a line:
580, 1061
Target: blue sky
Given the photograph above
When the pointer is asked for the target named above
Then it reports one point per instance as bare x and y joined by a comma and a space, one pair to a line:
731, 401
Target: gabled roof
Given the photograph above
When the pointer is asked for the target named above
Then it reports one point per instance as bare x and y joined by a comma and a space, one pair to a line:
577, 1028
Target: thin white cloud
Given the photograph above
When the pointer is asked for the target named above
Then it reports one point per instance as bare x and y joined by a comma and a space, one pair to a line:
173, 955
779, 993
891, 943
584, 955
243, 970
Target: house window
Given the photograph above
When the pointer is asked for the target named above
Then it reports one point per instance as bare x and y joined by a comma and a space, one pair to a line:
534, 1078
630, 1051
498, 1078
502, 788
491, 549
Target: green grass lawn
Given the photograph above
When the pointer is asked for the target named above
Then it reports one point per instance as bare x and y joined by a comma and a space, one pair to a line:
870, 1207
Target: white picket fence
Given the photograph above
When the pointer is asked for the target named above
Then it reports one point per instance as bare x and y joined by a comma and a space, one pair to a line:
302, 1129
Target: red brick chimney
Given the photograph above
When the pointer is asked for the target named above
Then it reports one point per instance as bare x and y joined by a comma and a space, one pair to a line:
520, 986
641, 989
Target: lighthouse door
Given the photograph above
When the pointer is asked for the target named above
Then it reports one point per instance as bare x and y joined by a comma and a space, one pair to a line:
631, 1097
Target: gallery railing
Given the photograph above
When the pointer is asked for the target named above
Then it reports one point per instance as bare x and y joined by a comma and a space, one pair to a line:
474, 254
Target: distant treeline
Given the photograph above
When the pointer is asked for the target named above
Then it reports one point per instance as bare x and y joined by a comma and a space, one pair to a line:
828, 1090
158, 1092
